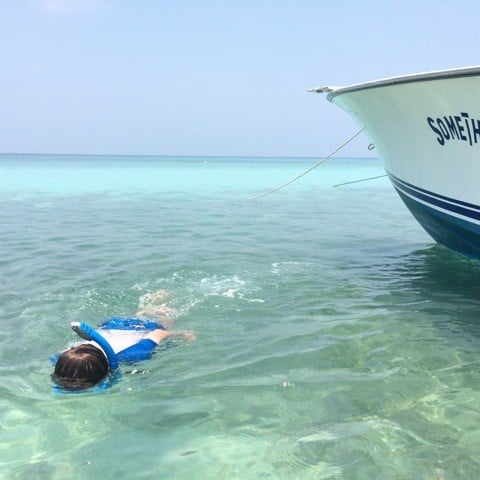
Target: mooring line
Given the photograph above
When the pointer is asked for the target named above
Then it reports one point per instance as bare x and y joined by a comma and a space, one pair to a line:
309, 169
358, 181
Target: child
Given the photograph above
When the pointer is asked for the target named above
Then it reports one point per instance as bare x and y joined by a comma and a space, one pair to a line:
116, 340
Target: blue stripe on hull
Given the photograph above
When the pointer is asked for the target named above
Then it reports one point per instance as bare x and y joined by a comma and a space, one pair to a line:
422, 193
455, 233
451, 205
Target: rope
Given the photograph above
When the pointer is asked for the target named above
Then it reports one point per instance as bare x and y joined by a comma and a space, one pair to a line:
309, 169
358, 181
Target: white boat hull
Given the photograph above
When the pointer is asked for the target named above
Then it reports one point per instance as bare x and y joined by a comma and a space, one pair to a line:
426, 129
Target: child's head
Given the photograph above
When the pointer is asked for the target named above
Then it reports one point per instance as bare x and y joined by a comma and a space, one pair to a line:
80, 367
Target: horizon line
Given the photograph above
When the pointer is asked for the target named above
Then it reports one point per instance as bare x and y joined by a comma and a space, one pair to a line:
174, 155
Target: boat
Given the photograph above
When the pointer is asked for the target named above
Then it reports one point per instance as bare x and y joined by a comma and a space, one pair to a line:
426, 129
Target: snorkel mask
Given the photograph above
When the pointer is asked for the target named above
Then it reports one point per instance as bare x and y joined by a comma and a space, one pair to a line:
86, 332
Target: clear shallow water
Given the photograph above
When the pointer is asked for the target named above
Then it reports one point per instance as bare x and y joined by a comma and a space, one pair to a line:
335, 340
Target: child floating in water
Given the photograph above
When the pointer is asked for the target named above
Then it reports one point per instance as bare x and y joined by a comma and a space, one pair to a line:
116, 340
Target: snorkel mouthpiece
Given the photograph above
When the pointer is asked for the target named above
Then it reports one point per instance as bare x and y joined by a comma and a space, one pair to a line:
88, 333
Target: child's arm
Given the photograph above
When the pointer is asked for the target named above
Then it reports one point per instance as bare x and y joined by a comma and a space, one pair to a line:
159, 336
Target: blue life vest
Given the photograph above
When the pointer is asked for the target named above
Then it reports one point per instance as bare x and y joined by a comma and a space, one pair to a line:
141, 350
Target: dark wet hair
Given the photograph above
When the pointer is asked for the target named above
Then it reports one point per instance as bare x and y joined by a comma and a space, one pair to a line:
80, 367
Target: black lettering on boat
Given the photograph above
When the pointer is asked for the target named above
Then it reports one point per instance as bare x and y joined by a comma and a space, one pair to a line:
443, 129
440, 138
476, 129
460, 127
452, 126
467, 124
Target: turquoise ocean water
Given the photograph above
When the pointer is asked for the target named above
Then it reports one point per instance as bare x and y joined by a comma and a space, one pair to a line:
334, 338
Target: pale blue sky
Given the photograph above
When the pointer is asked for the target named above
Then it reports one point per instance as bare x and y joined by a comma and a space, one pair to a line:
209, 77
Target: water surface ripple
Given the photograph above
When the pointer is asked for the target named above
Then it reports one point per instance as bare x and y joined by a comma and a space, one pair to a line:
335, 339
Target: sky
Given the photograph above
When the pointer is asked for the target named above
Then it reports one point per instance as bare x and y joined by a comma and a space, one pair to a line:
207, 77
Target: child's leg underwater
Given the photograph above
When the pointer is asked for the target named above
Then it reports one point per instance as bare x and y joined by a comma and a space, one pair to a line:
153, 306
